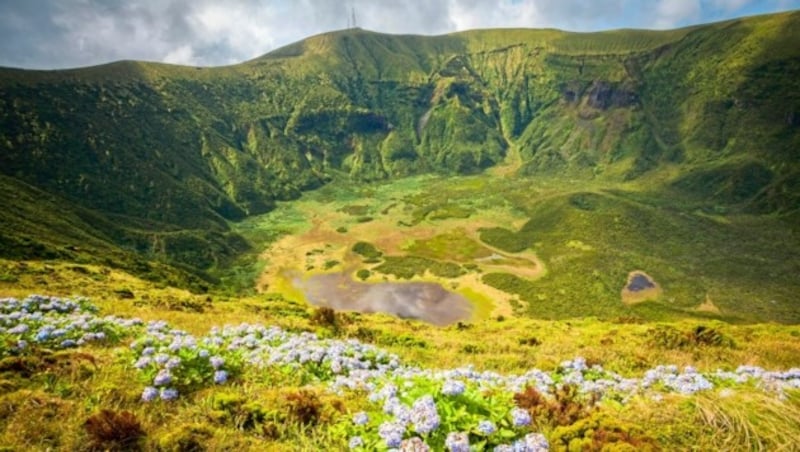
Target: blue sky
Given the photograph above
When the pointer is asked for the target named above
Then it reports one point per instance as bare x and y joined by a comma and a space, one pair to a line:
48, 34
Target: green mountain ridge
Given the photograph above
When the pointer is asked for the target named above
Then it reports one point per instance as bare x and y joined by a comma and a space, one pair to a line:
149, 162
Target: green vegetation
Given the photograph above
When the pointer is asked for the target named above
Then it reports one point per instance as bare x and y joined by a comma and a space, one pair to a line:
199, 195
367, 250
140, 162
406, 267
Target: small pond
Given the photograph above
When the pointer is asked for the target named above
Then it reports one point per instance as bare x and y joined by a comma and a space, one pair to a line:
425, 301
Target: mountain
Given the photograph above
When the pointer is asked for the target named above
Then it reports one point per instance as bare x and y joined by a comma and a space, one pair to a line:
144, 165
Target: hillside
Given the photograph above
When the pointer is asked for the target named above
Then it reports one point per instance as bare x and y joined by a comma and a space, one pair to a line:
144, 163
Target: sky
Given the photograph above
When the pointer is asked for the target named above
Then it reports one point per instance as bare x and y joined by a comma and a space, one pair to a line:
51, 34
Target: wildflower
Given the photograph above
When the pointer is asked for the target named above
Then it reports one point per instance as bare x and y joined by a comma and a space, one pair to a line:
149, 394
414, 444
486, 427
163, 378
68, 343
520, 417
148, 351
161, 358
21, 328
142, 362
391, 433
173, 363
203, 353
457, 442
360, 418
355, 442
453, 388
220, 377
424, 415
216, 362
169, 394
536, 442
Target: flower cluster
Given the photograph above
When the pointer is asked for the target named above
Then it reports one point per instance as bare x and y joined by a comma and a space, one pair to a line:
172, 361
56, 323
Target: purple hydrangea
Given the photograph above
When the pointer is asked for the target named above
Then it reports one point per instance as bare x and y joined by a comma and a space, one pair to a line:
149, 394
220, 377
360, 418
169, 394
392, 433
424, 415
457, 442
486, 427
355, 442
216, 361
453, 388
520, 417
163, 378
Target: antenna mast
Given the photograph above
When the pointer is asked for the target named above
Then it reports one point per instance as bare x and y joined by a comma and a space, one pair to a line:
355, 24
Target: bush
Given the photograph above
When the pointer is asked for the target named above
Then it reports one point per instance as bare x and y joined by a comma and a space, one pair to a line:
671, 338
601, 433
367, 250
109, 430
565, 407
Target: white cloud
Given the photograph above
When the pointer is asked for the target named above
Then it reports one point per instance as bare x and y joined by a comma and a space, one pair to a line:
60, 33
671, 13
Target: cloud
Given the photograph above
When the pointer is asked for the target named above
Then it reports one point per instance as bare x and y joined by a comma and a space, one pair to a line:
68, 33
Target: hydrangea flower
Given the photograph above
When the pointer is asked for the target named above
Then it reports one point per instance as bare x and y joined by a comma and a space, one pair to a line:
392, 433
414, 444
486, 427
220, 377
520, 417
355, 442
453, 387
149, 394
169, 394
424, 415
216, 362
457, 442
360, 418
163, 378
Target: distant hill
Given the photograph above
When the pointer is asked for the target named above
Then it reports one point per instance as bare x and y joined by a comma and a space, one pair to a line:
143, 164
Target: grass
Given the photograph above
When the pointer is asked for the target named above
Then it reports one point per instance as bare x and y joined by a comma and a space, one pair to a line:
664, 152
100, 381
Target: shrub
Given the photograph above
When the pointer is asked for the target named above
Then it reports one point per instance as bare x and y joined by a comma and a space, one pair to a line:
110, 430
565, 407
367, 250
304, 407
186, 438
325, 317
600, 433
671, 338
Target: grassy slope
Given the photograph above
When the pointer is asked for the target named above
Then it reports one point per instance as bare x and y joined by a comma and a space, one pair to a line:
158, 148
74, 385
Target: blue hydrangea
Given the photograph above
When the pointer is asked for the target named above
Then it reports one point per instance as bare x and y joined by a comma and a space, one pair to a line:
169, 394
453, 387
163, 378
414, 444
520, 417
486, 427
457, 442
216, 362
149, 394
360, 418
355, 442
424, 415
220, 377
392, 433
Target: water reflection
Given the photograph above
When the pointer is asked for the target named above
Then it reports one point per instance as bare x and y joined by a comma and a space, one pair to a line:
425, 301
